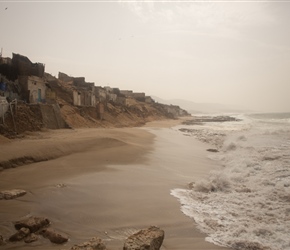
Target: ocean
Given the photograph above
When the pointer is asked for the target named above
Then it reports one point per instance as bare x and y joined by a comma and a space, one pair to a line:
245, 204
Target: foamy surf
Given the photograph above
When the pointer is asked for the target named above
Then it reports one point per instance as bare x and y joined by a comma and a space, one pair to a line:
245, 205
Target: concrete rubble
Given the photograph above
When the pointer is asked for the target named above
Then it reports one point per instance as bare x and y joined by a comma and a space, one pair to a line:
31, 228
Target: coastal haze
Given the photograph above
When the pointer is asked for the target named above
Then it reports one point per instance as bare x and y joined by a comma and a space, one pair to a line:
104, 150
226, 52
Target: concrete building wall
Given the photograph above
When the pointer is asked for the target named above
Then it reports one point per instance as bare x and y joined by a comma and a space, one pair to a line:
88, 98
50, 96
121, 100
33, 87
139, 96
64, 77
93, 100
148, 99
81, 84
76, 98
5, 60
108, 89
116, 91
25, 67
126, 93
84, 98
112, 97
20, 65
100, 93
37, 89
51, 116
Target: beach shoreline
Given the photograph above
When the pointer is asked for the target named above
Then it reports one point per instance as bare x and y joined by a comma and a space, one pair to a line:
107, 183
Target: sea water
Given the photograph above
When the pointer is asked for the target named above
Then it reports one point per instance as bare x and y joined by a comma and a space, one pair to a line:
246, 204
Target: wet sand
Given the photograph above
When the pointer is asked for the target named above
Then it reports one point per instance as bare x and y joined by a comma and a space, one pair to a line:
108, 183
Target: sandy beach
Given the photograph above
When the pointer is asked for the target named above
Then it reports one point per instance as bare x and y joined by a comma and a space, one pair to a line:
105, 182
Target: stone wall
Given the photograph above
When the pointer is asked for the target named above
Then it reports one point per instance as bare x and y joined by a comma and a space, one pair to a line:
20, 65
50, 96
24, 66
64, 77
139, 96
51, 116
126, 93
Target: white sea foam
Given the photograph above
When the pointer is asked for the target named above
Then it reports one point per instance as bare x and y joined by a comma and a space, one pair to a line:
245, 205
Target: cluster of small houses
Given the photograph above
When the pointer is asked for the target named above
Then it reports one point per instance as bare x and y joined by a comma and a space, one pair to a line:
87, 94
23, 80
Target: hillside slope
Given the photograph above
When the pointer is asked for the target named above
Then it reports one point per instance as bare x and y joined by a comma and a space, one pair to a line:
63, 114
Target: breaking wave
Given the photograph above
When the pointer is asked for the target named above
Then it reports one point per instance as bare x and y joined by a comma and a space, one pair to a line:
246, 204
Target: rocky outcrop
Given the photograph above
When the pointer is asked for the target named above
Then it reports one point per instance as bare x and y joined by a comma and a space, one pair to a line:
53, 236
199, 120
20, 234
146, 239
213, 150
30, 238
32, 223
93, 244
11, 194
30, 228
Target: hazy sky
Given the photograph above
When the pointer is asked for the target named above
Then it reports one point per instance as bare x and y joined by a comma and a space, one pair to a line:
228, 52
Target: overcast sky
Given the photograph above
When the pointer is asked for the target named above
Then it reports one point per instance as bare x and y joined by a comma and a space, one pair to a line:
227, 52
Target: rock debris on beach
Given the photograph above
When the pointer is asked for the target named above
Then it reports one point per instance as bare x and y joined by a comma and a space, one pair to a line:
94, 244
32, 223
30, 238
146, 239
202, 119
28, 230
11, 194
20, 234
53, 236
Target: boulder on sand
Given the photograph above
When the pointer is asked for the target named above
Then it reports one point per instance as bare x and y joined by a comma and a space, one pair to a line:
146, 239
94, 244
33, 223
20, 234
11, 194
31, 238
53, 236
